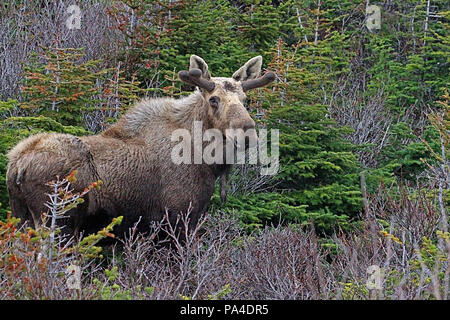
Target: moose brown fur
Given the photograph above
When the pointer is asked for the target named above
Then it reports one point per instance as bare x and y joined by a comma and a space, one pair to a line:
133, 156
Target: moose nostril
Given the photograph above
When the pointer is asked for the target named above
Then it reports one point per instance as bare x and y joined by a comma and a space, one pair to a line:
249, 126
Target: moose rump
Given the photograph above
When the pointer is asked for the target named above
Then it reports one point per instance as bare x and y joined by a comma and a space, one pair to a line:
39, 159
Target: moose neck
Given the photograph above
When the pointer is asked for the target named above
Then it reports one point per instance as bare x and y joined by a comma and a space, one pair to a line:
188, 112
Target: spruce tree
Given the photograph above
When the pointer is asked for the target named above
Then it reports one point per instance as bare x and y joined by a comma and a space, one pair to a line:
319, 174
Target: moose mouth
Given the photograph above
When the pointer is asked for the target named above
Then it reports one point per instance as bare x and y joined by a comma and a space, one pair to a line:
242, 141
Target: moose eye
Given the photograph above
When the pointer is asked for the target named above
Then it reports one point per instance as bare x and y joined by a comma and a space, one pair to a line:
214, 101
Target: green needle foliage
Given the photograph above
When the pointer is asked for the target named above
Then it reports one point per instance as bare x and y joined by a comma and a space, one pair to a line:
346, 99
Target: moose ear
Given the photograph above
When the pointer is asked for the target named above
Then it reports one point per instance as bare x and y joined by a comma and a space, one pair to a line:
198, 63
250, 70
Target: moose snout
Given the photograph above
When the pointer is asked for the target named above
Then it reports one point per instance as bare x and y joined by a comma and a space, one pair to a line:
245, 134
248, 125
244, 125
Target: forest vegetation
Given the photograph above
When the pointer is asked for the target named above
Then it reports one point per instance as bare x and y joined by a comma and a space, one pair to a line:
363, 118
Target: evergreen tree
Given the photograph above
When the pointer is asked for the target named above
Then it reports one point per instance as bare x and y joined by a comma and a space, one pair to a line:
57, 86
319, 169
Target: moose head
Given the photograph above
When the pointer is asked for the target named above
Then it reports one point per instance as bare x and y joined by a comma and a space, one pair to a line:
225, 97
